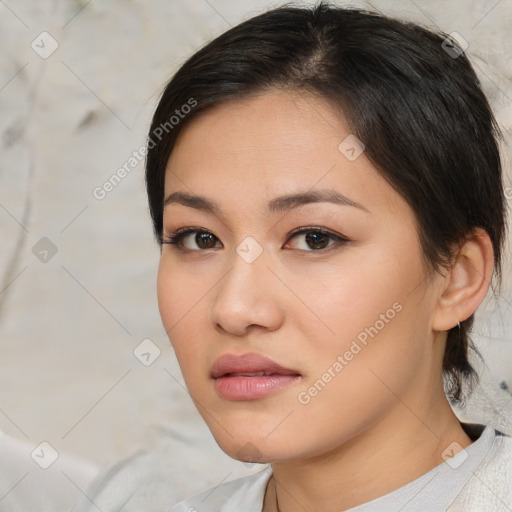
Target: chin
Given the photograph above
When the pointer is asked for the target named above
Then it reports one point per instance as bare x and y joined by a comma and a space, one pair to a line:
252, 448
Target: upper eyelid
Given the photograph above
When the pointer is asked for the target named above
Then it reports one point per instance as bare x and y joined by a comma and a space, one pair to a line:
194, 229
315, 228
187, 231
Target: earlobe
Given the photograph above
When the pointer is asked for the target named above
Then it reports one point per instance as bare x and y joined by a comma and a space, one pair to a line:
467, 282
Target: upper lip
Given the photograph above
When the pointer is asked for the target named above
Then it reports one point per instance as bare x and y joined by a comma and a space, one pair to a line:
247, 363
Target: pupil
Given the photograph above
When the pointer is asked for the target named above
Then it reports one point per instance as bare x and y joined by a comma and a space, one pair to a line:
317, 240
205, 240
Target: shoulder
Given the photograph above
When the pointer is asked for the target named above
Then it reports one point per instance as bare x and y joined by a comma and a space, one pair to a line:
499, 458
497, 464
175, 464
245, 494
490, 488
499, 461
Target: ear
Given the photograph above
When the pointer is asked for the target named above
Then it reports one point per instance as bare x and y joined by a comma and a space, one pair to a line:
467, 281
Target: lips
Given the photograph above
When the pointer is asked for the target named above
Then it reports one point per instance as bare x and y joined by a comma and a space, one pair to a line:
250, 377
248, 365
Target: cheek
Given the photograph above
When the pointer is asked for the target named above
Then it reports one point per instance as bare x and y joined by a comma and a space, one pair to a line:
357, 375
167, 294
180, 292
368, 312
180, 304
352, 295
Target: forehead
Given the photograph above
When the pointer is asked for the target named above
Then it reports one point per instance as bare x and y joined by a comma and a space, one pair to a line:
247, 151
277, 127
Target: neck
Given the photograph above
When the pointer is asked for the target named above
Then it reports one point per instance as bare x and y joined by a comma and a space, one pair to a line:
408, 440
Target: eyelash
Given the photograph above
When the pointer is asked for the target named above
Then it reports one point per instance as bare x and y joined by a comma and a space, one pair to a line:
177, 237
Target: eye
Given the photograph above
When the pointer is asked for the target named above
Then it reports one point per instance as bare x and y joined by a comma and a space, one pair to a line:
315, 239
196, 239
192, 239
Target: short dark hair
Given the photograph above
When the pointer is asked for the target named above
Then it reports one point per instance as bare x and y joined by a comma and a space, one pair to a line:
418, 108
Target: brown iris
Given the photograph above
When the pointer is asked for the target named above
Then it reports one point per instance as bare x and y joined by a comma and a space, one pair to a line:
205, 240
317, 240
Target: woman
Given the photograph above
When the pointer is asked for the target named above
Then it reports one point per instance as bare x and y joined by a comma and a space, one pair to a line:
327, 190
330, 209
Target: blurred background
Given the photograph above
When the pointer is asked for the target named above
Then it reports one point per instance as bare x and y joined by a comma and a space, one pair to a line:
85, 363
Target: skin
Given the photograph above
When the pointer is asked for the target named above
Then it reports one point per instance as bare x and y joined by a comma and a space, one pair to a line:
303, 307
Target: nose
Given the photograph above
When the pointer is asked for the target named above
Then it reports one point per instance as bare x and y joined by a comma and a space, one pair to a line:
248, 299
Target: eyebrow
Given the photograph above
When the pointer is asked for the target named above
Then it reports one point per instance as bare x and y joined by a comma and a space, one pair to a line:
276, 205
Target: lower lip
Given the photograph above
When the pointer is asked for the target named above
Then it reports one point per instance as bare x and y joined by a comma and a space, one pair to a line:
252, 388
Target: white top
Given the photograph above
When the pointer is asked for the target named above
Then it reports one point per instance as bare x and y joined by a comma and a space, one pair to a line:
475, 480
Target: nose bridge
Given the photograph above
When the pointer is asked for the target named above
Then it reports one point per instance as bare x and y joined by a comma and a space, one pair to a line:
247, 272
247, 262
245, 296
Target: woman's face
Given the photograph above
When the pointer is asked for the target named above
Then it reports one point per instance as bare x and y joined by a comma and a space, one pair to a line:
344, 306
